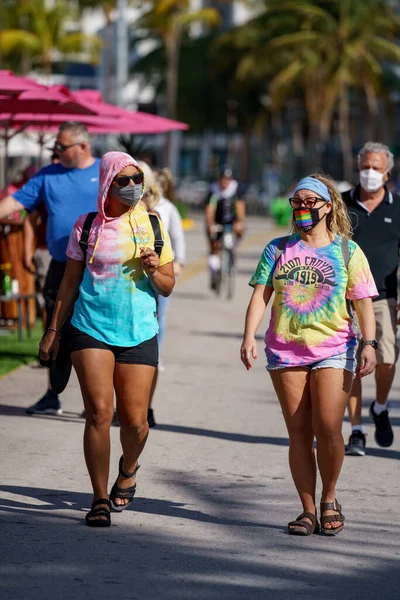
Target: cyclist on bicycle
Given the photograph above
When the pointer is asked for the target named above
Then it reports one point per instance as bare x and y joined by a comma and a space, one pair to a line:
223, 206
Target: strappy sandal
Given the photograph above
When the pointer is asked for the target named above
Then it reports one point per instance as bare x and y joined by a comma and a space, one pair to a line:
91, 517
300, 527
123, 493
331, 518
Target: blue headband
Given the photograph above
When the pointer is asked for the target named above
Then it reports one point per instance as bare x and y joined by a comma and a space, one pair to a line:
314, 185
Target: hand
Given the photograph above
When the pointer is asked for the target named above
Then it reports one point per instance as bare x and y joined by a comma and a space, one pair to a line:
398, 316
238, 228
368, 361
248, 349
29, 264
48, 347
150, 260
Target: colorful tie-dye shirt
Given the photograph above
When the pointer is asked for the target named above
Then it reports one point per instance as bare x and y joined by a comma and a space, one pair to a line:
309, 315
116, 303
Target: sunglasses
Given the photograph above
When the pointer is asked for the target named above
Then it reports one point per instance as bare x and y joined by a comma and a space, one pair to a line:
123, 180
308, 202
61, 148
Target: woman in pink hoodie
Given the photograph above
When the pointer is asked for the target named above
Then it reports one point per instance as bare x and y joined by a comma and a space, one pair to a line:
114, 326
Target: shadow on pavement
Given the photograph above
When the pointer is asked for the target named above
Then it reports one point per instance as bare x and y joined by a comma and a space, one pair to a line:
224, 435
51, 555
66, 500
8, 410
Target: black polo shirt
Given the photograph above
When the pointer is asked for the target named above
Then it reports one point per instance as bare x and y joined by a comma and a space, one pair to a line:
378, 235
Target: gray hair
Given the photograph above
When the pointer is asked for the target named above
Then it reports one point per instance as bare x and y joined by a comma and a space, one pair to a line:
377, 148
76, 129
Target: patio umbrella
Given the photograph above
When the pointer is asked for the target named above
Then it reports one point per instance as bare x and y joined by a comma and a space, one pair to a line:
11, 84
127, 121
44, 101
32, 106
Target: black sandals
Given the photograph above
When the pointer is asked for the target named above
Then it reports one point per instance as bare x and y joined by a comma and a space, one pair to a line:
331, 518
92, 519
123, 493
300, 527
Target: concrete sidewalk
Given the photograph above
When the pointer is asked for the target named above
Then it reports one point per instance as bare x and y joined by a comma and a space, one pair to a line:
214, 490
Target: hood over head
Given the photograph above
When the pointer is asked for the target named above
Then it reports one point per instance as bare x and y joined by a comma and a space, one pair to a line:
110, 165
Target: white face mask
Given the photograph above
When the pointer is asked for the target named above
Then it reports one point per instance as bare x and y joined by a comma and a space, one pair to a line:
371, 180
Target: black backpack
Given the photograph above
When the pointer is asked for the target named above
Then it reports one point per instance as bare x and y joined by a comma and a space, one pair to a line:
155, 223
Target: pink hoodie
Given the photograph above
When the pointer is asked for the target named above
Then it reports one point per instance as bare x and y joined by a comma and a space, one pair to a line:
116, 301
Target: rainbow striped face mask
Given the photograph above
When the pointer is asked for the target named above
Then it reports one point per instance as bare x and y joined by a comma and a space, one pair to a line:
306, 218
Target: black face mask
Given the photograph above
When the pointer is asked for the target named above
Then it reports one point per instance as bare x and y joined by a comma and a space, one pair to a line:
307, 218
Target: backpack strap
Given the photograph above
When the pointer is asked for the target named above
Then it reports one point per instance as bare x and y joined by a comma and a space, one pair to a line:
84, 241
346, 260
281, 247
158, 241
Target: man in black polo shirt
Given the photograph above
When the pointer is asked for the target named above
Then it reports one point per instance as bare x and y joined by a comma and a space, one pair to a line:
375, 215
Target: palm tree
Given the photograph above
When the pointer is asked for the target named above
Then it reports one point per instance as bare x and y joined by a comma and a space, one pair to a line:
44, 35
167, 21
339, 47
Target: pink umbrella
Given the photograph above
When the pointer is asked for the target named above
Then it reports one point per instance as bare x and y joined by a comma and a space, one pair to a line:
40, 105
127, 121
11, 84
45, 101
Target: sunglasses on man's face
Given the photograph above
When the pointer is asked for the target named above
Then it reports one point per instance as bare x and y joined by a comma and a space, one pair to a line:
123, 180
60, 148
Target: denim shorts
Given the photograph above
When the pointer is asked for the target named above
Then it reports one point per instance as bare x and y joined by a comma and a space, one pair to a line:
346, 360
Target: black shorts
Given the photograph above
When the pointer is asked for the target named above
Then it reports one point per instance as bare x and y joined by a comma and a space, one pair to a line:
145, 353
51, 285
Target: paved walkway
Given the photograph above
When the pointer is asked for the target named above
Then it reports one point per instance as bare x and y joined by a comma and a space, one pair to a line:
214, 490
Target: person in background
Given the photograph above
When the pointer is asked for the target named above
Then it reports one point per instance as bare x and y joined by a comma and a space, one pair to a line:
67, 189
156, 202
375, 217
113, 339
310, 343
224, 205
166, 181
37, 257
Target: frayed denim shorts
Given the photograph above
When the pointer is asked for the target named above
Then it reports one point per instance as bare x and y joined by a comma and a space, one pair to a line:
346, 361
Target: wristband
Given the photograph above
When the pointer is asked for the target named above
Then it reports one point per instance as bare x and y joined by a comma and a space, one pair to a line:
53, 329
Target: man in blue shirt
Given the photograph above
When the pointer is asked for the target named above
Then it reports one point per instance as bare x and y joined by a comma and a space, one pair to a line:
68, 189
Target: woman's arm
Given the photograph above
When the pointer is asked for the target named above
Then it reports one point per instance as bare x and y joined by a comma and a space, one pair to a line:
162, 278
65, 301
254, 315
366, 321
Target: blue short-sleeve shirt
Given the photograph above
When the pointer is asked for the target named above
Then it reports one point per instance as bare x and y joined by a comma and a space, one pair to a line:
67, 193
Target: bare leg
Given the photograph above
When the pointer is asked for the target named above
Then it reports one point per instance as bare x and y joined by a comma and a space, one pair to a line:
292, 388
132, 386
95, 370
384, 375
153, 387
330, 389
355, 402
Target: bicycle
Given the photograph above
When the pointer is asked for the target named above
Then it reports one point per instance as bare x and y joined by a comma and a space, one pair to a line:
225, 279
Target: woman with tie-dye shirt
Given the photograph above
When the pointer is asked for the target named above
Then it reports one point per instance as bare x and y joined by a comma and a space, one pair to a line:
311, 342
114, 326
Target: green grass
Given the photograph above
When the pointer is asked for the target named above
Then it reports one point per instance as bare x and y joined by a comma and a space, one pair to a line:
14, 354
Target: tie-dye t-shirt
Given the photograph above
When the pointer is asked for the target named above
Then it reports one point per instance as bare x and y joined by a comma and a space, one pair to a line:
116, 303
309, 315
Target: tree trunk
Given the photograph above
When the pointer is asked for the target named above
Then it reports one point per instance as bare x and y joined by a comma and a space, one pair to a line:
172, 48
344, 133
